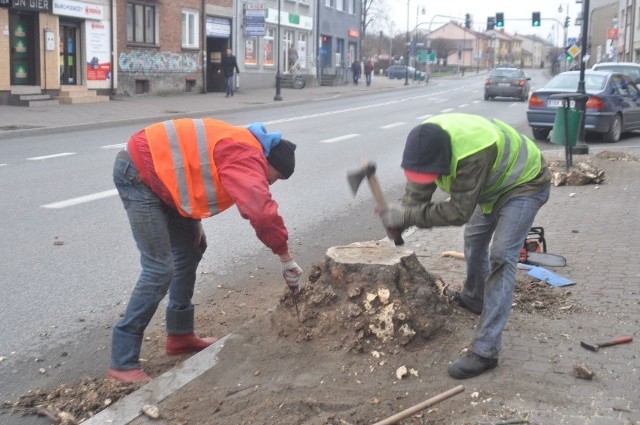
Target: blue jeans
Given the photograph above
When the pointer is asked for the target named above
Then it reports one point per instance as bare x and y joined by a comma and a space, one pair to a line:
229, 85
169, 260
491, 272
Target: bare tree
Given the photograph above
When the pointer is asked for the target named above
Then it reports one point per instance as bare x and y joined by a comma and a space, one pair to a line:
373, 11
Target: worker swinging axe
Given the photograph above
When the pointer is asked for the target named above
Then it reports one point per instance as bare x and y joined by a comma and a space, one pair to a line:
596, 347
368, 170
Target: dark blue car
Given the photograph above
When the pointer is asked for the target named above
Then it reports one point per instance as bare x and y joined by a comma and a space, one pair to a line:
613, 106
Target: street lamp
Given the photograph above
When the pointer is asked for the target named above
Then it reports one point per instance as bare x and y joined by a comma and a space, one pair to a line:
278, 76
406, 59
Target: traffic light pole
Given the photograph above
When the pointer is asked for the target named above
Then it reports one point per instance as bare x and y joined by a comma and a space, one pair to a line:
581, 146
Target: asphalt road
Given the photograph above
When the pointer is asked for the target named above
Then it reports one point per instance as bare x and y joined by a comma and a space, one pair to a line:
68, 259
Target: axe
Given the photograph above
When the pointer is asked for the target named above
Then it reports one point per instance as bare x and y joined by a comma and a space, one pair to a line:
368, 170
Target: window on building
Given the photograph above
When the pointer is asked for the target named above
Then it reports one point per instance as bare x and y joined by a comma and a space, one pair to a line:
352, 6
141, 23
190, 29
251, 51
328, 3
339, 4
268, 47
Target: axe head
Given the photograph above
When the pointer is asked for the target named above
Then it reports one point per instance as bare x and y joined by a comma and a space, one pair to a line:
355, 177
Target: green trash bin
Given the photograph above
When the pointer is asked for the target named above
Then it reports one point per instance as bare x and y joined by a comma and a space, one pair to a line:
566, 128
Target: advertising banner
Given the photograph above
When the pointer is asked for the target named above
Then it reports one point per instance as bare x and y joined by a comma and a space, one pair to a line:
98, 48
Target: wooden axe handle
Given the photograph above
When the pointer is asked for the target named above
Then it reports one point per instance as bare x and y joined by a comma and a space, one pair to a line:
377, 192
382, 204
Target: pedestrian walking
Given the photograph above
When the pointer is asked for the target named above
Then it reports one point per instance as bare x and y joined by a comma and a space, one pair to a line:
171, 175
229, 64
368, 70
498, 181
355, 70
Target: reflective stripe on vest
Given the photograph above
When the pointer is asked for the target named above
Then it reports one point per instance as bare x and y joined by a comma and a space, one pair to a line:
182, 153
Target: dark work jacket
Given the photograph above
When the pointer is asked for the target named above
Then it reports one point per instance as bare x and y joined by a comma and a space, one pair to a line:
228, 65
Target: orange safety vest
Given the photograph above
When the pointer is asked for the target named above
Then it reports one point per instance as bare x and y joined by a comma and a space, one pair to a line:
182, 153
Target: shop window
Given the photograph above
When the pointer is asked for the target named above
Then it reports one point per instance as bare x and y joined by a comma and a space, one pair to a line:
250, 51
190, 86
190, 28
141, 23
268, 47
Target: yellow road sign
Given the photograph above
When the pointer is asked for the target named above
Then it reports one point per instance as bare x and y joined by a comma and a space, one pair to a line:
574, 50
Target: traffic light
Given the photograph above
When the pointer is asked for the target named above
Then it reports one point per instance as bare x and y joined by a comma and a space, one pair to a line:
568, 56
566, 22
467, 21
535, 19
491, 22
500, 20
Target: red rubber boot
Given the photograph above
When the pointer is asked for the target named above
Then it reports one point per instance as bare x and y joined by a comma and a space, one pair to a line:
186, 343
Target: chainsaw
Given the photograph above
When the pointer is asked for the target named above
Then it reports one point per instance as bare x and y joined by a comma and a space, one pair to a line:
534, 251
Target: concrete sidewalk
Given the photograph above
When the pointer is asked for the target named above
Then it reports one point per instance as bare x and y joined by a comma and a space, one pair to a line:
22, 121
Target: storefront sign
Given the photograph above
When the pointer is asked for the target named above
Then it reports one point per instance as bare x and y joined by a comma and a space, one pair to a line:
218, 27
254, 20
32, 5
78, 9
289, 19
98, 48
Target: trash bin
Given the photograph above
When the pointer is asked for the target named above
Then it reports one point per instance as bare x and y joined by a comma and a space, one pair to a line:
566, 125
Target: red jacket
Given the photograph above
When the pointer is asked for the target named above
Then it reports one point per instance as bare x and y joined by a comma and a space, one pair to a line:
242, 171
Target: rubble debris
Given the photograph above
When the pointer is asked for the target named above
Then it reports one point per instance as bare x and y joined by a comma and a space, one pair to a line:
151, 410
579, 174
581, 371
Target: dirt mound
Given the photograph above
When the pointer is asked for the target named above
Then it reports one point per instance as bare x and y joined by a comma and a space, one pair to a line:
70, 404
617, 156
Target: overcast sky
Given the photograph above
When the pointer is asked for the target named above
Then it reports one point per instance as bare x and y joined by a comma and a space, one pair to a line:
517, 15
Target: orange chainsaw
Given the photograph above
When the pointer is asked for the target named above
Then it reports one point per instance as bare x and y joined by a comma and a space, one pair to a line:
534, 251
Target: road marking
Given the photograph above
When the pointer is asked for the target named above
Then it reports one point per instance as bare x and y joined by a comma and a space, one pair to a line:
464, 105
57, 155
395, 124
439, 100
2, 165
444, 111
424, 117
339, 138
81, 199
118, 146
476, 101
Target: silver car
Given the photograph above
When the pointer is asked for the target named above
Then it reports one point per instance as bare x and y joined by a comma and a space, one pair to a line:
507, 82
630, 69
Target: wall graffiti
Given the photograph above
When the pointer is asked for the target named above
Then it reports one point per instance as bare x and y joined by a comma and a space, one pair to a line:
144, 63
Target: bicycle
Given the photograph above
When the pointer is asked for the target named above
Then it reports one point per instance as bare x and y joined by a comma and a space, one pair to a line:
298, 79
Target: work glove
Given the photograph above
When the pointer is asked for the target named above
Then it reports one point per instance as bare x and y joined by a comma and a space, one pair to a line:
393, 217
199, 238
292, 273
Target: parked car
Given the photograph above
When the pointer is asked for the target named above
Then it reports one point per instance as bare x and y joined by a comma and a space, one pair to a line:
507, 82
400, 71
630, 69
613, 106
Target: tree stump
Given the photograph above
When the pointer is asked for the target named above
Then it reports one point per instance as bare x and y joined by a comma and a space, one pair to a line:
372, 293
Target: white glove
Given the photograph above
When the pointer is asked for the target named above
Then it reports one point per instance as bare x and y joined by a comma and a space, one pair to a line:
393, 217
292, 273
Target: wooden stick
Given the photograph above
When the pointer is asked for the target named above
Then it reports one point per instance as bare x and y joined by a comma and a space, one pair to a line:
420, 406
453, 254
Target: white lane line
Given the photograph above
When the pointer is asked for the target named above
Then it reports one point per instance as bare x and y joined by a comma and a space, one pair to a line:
476, 101
464, 105
395, 124
444, 111
339, 138
57, 155
118, 146
440, 101
2, 165
424, 117
81, 199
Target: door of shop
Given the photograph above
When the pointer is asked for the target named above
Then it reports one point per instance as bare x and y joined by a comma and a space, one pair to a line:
216, 47
23, 50
68, 53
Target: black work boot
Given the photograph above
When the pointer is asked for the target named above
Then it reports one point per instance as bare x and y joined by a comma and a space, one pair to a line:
471, 364
457, 298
